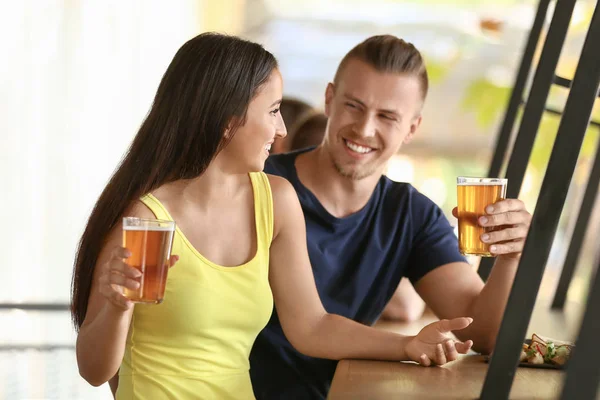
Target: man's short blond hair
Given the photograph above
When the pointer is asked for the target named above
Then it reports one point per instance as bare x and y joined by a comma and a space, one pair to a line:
388, 53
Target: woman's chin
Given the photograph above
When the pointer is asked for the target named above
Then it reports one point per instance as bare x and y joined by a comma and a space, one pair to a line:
258, 166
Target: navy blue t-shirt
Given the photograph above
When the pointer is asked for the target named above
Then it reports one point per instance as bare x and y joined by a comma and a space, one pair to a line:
357, 262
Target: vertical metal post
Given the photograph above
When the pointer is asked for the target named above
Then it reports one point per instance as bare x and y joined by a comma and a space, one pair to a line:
583, 370
534, 108
585, 212
536, 101
516, 96
563, 160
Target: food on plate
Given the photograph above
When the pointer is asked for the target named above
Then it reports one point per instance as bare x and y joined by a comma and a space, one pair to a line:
543, 350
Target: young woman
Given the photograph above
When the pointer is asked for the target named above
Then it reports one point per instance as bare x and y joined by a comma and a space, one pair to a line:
240, 241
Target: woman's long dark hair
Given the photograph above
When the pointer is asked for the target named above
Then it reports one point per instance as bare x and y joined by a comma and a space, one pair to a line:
207, 87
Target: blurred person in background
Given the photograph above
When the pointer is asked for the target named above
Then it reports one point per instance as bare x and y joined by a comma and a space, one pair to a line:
365, 232
197, 160
405, 305
291, 110
308, 131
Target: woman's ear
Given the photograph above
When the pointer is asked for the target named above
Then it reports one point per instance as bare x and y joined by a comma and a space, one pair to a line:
229, 129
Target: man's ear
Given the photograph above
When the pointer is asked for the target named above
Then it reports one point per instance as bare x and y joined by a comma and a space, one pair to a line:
329, 94
414, 127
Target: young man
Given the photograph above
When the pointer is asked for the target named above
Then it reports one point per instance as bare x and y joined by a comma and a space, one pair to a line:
366, 232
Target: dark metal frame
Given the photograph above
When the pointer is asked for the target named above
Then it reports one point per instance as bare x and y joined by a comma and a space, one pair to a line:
564, 82
563, 160
510, 116
560, 81
544, 76
486, 264
585, 212
536, 101
557, 112
583, 371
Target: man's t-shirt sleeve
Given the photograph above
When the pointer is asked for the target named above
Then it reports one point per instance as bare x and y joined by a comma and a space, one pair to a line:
435, 243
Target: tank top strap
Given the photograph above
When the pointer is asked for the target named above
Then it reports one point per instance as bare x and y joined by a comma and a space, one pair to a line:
263, 201
156, 207
263, 205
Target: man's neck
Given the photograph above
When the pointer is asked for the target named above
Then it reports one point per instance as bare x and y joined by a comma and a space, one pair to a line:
339, 195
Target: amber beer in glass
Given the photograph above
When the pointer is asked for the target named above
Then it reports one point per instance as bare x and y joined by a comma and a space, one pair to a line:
149, 241
474, 195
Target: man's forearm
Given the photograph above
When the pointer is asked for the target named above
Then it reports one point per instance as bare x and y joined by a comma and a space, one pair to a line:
488, 307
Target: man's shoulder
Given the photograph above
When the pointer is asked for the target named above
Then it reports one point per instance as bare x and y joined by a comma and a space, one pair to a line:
281, 164
399, 190
404, 197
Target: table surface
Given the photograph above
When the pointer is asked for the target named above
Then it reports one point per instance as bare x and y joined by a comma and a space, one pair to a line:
461, 379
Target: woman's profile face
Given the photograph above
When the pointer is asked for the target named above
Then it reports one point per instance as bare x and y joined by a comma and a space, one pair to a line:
251, 144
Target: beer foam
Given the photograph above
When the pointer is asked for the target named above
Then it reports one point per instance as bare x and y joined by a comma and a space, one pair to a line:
497, 183
150, 228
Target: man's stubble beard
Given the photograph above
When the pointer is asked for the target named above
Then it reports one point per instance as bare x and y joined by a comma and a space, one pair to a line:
354, 174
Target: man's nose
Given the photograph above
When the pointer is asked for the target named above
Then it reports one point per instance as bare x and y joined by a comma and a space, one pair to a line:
365, 126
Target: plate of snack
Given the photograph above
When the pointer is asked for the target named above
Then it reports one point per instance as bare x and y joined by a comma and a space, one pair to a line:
541, 352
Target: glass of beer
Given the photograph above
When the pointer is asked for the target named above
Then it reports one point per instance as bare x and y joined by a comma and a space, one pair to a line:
474, 195
149, 241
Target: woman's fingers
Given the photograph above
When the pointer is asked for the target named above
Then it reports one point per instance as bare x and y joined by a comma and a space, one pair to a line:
424, 360
450, 348
120, 253
125, 269
122, 280
463, 348
119, 300
117, 263
454, 324
173, 260
445, 352
440, 356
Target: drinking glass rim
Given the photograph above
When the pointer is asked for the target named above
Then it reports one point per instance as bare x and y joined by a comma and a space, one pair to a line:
147, 223
471, 180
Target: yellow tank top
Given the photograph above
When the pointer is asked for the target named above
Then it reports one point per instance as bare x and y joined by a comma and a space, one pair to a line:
196, 344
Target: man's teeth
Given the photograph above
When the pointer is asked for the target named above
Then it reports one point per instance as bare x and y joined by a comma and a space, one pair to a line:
357, 148
268, 147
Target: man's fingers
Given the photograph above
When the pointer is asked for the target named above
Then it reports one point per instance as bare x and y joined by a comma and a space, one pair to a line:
507, 248
514, 233
455, 212
507, 218
424, 360
455, 324
504, 206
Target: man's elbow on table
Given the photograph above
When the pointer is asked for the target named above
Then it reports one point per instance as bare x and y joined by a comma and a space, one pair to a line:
485, 347
483, 337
